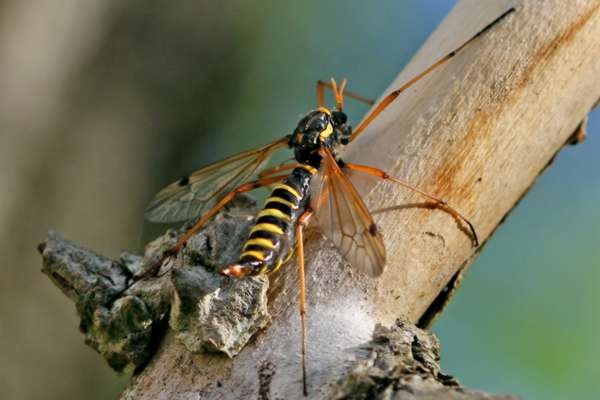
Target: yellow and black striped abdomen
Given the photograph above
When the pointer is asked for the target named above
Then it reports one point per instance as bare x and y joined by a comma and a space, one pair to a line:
271, 239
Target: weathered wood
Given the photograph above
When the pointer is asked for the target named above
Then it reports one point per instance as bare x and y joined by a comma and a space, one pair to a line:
477, 133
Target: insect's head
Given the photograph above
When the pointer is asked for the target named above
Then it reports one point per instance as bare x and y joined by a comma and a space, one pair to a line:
321, 127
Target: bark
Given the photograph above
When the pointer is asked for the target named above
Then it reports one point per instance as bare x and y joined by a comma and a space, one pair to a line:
477, 133
123, 306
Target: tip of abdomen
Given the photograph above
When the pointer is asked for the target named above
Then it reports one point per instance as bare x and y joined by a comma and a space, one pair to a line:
236, 270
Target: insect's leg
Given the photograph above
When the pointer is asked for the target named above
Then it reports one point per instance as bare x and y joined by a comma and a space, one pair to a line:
322, 85
394, 94
438, 202
301, 224
277, 168
215, 209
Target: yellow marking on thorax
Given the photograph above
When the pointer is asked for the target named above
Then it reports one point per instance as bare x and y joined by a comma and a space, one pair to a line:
266, 243
288, 188
265, 226
325, 110
254, 253
282, 201
327, 132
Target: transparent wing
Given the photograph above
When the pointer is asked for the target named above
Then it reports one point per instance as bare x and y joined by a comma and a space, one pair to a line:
192, 195
343, 218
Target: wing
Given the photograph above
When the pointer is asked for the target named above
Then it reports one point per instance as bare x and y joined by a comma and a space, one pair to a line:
344, 219
192, 195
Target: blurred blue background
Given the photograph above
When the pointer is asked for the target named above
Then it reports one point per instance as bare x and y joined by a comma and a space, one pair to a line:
105, 102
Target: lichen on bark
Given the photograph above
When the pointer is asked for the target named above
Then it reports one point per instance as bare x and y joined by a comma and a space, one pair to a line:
402, 362
124, 304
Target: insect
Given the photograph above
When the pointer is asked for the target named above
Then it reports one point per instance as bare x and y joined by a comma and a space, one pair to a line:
315, 184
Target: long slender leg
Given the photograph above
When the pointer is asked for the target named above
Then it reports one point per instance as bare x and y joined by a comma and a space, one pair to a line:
439, 202
215, 209
322, 85
394, 94
302, 221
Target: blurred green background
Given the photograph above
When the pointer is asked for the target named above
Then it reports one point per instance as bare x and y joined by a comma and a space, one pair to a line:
103, 102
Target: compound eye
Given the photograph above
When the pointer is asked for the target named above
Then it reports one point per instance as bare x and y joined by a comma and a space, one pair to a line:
339, 118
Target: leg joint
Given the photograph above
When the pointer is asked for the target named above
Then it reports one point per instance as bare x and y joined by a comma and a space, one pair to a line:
304, 218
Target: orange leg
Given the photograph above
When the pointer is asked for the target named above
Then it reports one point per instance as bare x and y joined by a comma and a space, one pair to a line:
438, 202
321, 86
276, 169
302, 222
215, 209
394, 94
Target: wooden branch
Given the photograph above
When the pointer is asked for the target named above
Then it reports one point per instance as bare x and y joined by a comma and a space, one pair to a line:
477, 133
122, 312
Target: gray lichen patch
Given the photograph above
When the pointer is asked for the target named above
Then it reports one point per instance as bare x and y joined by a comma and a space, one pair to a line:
118, 315
122, 304
84, 276
217, 314
121, 333
209, 311
402, 362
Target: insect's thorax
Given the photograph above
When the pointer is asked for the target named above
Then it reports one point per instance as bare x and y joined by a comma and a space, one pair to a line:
271, 239
319, 128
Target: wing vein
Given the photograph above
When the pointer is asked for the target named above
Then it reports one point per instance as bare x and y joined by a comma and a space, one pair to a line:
345, 220
198, 192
